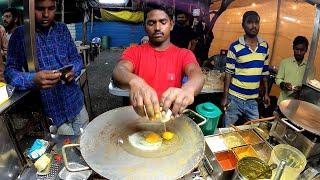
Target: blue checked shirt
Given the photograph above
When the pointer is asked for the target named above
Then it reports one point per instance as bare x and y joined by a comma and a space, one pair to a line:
55, 49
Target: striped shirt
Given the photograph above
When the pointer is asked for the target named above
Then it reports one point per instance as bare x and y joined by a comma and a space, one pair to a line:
247, 68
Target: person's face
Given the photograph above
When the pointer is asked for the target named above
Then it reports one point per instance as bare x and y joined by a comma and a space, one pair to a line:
8, 20
158, 26
45, 11
251, 26
181, 19
299, 51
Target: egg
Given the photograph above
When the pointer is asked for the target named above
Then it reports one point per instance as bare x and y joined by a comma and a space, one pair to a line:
145, 140
167, 135
152, 138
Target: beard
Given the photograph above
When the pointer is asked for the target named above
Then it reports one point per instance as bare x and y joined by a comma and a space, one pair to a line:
9, 26
251, 35
299, 58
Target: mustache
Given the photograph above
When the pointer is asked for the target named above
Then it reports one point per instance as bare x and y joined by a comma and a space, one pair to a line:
158, 32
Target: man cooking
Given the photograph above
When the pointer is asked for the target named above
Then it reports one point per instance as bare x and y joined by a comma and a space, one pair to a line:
62, 101
247, 64
153, 71
292, 69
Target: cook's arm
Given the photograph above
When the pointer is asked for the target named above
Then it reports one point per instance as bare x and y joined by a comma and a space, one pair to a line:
195, 79
141, 94
123, 74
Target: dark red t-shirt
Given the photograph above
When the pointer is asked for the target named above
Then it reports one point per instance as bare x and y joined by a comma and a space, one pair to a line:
160, 69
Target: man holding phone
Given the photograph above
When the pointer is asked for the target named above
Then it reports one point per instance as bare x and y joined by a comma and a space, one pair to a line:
62, 102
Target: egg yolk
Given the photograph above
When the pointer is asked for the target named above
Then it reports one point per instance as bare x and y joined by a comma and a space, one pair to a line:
152, 138
167, 135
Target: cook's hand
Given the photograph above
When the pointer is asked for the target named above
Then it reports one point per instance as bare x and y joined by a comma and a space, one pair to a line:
69, 76
141, 94
266, 100
177, 98
46, 79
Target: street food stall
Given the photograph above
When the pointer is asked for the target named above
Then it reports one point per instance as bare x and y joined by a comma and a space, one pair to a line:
114, 144
22, 120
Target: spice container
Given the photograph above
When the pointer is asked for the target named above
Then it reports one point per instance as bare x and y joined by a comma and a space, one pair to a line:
233, 139
263, 150
227, 160
250, 137
245, 151
216, 143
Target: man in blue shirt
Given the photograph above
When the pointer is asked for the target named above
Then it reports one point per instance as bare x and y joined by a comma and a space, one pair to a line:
62, 100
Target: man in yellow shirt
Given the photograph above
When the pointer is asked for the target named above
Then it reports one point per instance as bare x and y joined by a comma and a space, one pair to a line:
292, 69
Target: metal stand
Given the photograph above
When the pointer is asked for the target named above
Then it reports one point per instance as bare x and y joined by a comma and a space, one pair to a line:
308, 92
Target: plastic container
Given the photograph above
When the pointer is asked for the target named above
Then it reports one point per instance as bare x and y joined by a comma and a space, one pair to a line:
295, 161
212, 113
105, 42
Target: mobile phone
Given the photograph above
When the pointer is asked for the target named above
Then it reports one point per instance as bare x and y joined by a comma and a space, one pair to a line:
65, 69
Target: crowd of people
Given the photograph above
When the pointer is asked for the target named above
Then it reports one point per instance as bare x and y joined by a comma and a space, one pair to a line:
151, 71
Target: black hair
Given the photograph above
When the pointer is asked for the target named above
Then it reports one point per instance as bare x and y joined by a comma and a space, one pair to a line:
181, 12
14, 12
301, 40
249, 13
157, 6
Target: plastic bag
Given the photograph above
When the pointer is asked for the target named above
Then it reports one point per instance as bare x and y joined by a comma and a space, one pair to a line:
6, 91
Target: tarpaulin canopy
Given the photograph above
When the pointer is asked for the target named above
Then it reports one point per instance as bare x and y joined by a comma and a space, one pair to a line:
124, 16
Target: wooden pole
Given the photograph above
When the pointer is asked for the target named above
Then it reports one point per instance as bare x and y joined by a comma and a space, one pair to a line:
62, 11
30, 35
84, 28
91, 20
